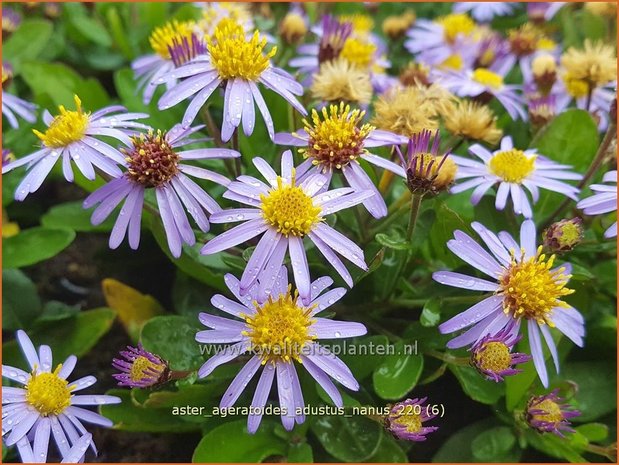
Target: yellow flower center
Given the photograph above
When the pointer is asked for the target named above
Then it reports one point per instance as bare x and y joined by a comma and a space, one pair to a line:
531, 289
213, 13
7, 74
358, 52
512, 165
360, 23
431, 173
553, 413
337, 138
577, 88
141, 367
48, 393
410, 420
488, 78
289, 209
234, 56
279, 330
456, 24
453, 62
171, 33
151, 161
67, 127
494, 357
544, 43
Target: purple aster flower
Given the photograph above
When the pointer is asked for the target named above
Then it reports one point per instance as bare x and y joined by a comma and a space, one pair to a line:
279, 330
549, 414
284, 212
406, 419
486, 83
73, 136
140, 368
11, 20
492, 355
47, 404
153, 161
603, 201
427, 172
238, 63
335, 143
513, 170
484, 11
525, 286
12, 104
540, 12
174, 44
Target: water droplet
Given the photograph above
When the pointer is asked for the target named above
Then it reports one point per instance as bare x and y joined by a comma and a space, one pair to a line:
338, 334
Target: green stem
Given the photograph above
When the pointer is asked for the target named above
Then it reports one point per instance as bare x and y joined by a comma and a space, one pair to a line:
462, 361
388, 221
440, 371
362, 228
412, 220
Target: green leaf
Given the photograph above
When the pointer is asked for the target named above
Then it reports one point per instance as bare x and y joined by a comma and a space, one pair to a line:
398, 374
353, 439
394, 240
55, 311
477, 387
232, 443
71, 336
34, 245
300, 453
129, 416
173, 339
517, 386
361, 356
597, 395
458, 448
594, 432
72, 215
496, 445
21, 304
90, 29
27, 42
555, 446
388, 452
431, 313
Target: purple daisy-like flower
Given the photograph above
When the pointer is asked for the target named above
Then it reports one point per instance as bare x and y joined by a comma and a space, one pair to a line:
525, 286
175, 44
513, 170
12, 104
488, 82
11, 20
550, 414
484, 11
603, 201
153, 161
73, 137
140, 368
284, 212
492, 355
406, 419
239, 64
335, 142
46, 405
279, 330
543, 11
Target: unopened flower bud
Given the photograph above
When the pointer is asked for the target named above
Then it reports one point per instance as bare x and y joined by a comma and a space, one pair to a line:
549, 414
395, 27
405, 420
293, 28
563, 235
544, 69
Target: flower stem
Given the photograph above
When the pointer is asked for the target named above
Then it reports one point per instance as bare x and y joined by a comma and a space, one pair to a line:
462, 361
412, 220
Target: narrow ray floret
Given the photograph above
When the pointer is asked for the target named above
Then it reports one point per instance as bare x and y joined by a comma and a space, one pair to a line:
406, 420
526, 285
485, 11
284, 212
493, 358
154, 161
11, 104
335, 140
603, 201
239, 64
73, 136
278, 331
47, 405
550, 414
514, 170
174, 44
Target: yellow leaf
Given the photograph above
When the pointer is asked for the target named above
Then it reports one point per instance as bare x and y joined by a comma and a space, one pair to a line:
133, 308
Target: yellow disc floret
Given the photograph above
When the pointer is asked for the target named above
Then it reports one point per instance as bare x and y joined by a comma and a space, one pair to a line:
474, 121
337, 138
532, 289
410, 420
552, 412
493, 356
143, 368
235, 56
280, 328
289, 209
577, 88
67, 127
361, 24
48, 393
456, 24
173, 32
453, 61
358, 52
512, 165
488, 78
